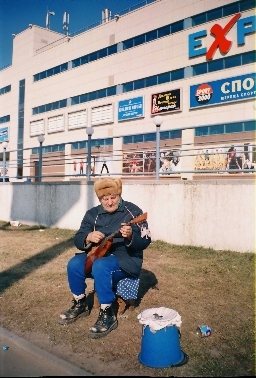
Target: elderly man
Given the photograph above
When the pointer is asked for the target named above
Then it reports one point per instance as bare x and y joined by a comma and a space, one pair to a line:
123, 259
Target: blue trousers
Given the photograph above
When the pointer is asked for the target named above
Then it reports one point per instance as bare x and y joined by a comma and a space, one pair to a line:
105, 271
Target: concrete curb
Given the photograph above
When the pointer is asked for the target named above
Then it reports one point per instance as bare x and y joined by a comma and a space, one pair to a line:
24, 355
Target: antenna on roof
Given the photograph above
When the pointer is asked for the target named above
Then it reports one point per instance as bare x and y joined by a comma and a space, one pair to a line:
106, 15
48, 18
66, 22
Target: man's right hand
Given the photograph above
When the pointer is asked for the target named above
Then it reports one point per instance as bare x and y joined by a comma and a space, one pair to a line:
94, 237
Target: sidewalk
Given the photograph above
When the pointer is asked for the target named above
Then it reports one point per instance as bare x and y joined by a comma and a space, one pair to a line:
23, 359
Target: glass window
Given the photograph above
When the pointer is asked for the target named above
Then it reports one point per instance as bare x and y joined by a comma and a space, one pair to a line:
215, 65
127, 139
55, 105
150, 36
92, 96
75, 62
103, 53
108, 142
232, 61
48, 107
250, 126
249, 57
199, 19
138, 138
214, 14
246, 4
49, 72
128, 44
177, 74
83, 98
151, 137
41, 109
200, 69
127, 87
101, 93
56, 70
74, 146
138, 84
36, 77
42, 75
111, 91
231, 9
84, 59
177, 26
112, 49
174, 134
201, 131
152, 80
75, 100
139, 40
216, 129
162, 32
234, 127
93, 56
63, 103
164, 135
35, 110
63, 67
164, 78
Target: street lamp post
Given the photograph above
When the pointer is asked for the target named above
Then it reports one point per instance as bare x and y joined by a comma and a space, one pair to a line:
89, 132
5, 145
40, 139
158, 120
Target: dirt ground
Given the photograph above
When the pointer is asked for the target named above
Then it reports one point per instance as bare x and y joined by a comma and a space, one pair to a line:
202, 285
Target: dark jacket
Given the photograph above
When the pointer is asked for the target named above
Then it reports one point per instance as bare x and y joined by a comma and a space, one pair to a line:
128, 253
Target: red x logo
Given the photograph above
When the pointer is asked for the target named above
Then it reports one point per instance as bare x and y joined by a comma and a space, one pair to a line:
221, 41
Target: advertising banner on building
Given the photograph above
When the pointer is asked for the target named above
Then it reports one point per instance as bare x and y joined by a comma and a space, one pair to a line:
131, 108
237, 88
166, 102
4, 134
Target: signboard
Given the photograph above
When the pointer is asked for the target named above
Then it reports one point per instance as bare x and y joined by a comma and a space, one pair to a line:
4, 134
131, 108
196, 41
238, 88
166, 102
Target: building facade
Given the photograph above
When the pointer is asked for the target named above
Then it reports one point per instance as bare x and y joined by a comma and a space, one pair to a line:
192, 62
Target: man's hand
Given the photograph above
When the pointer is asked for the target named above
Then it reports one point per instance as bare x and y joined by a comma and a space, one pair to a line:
126, 231
94, 237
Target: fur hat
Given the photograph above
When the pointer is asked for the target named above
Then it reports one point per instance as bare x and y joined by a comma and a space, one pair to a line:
108, 186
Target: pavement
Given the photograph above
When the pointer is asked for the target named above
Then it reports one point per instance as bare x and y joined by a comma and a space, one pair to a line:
20, 358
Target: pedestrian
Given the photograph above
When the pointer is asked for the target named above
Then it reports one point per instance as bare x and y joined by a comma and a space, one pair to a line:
123, 260
104, 165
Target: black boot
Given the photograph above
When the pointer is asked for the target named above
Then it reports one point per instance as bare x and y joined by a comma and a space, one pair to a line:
79, 309
106, 323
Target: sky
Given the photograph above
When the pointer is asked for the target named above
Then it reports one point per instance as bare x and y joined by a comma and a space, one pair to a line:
16, 15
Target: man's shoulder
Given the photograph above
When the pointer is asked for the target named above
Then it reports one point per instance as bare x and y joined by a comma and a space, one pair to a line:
132, 207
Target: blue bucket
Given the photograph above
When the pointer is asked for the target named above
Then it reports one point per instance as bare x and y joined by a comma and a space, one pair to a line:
162, 348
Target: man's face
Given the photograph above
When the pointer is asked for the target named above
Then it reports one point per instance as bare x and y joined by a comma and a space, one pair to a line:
110, 203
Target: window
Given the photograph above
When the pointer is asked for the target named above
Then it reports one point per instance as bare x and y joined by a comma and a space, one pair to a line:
75, 100
201, 131
93, 56
92, 96
215, 65
177, 74
139, 40
75, 62
247, 4
84, 59
250, 126
150, 137
127, 87
232, 61
103, 53
248, 57
234, 128
111, 91
83, 97
150, 36
128, 44
138, 84
214, 14
5, 119
199, 19
199, 69
102, 93
174, 134
152, 80
138, 138
112, 49
231, 9
127, 139
162, 32
217, 129
177, 26
164, 135
164, 78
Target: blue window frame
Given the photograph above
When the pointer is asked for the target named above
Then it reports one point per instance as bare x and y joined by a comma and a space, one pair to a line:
200, 69
247, 4
128, 44
83, 98
93, 56
201, 131
92, 96
152, 80
164, 78
214, 14
127, 139
215, 65
111, 91
151, 36
177, 26
177, 74
128, 87
150, 137
112, 49
249, 57
138, 84
234, 128
139, 39
216, 129
138, 138
231, 9
75, 100
102, 93
165, 30
175, 134
199, 19
232, 61
103, 53
250, 126
84, 59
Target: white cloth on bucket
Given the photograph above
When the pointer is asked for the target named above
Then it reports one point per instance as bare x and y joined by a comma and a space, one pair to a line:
159, 317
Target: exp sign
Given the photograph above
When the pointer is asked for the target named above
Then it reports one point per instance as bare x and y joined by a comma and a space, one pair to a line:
219, 33
236, 88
